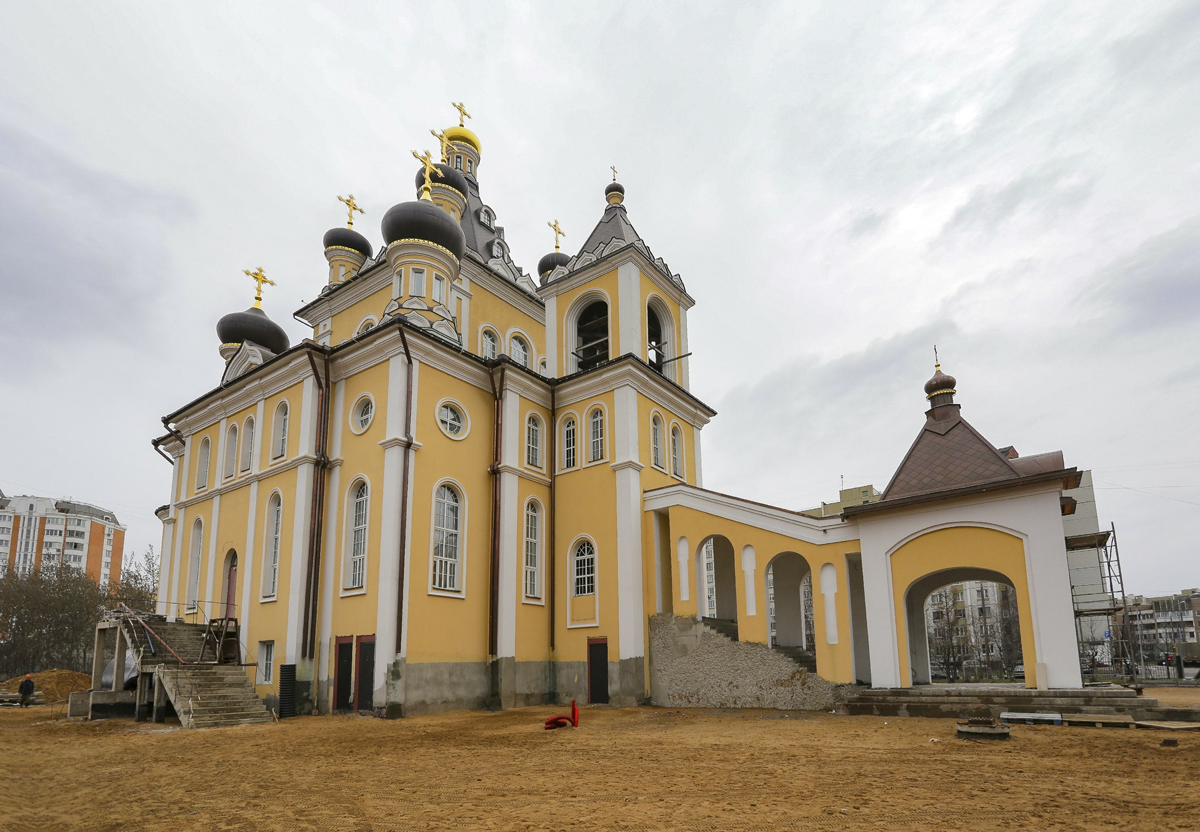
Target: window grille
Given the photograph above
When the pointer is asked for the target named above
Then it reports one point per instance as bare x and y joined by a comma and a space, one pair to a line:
491, 346
358, 540
532, 539
248, 444
597, 421
656, 456
569, 443
275, 521
533, 442
446, 539
676, 452
585, 568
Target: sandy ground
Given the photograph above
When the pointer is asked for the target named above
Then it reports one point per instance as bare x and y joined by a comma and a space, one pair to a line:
53, 685
623, 769
1184, 696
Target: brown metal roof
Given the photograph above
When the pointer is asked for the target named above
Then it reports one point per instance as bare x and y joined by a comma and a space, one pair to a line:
948, 453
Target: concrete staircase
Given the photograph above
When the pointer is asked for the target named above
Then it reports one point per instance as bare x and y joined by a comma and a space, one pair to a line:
727, 627
799, 655
207, 696
947, 701
203, 695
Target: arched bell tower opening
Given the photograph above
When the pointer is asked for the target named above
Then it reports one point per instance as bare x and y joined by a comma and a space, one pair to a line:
589, 335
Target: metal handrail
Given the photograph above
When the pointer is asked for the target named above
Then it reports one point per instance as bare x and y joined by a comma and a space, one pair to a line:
156, 635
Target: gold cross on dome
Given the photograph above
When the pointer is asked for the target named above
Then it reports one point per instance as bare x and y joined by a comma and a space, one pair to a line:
558, 232
259, 277
462, 112
444, 141
937, 365
351, 206
430, 170
614, 170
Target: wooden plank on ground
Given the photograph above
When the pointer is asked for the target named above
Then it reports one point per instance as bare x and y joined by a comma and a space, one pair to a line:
1031, 718
1164, 725
1099, 720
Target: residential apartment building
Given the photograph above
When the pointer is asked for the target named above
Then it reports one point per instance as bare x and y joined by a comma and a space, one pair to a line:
43, 531
1163, 623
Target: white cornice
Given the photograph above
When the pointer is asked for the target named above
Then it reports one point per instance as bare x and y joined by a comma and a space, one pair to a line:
533, 476
245, 480
629, 254
243, 392
642, 379
769, 518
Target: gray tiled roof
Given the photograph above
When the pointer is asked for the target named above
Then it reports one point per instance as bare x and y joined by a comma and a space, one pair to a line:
612, 233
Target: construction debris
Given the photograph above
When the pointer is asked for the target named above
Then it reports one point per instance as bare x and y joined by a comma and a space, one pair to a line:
52, 685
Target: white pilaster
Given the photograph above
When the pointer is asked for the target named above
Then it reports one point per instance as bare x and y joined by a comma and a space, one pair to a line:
683, 555
630, 605
389, 535
748, 561
415, 369
629, 302
308, 417
298, 561
685, 379
213, 536
246, 567
552, 333
699, 464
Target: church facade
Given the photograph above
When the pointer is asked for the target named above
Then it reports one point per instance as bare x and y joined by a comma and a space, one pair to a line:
473, 488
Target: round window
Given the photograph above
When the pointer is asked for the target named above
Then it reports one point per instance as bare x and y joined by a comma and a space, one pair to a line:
366, 409
450, 419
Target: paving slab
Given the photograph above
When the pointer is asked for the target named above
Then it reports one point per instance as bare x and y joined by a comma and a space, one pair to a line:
1031, 719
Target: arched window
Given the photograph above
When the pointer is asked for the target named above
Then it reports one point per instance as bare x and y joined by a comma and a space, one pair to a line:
585, 568
365, 326
533, 442
202, 464
498, 249
193, 584
591, 336
271, 550
490, 345
656, 347
520, 351
656, 437
533, 536
676, 452
248, 444
485, 217
596, 450
231, 450
446, 530
542, 366
458, 162
358, 537
569, 432
470, 166
279, 442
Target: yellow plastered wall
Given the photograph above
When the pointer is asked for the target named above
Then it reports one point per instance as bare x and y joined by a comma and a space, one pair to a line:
834, 661
957, 548
450, 628
533, 612
501, 316
354, 610
587, 506
268, 616
294, 396
203, 511
606, 283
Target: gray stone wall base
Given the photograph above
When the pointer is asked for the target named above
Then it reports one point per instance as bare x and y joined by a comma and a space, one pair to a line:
627, 682
571, 682
694, 666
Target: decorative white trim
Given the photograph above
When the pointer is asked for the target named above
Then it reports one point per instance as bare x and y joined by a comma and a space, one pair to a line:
358, 328
538, 600
543, 444
263, 598
348, 531
664, 447
353, 421
570, 570
461, 592
587, 267
272, 459
560, 445
462, 411
518, 332
570, 326
487, 327
587, 461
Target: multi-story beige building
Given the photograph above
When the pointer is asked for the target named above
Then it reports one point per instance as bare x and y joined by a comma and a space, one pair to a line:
43, 531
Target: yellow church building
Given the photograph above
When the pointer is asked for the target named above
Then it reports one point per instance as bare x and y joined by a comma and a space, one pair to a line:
471, 488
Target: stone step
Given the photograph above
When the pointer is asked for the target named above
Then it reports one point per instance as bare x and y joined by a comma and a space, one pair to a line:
725, 626
225, 723
1039, 702
938, 690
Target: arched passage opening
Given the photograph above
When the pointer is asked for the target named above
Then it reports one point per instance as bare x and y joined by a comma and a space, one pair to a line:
229, 585
716, 578
790, 607
967, 556
972, 628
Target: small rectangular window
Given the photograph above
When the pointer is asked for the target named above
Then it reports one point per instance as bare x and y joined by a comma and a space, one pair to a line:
416, 283
439, 289
266, 662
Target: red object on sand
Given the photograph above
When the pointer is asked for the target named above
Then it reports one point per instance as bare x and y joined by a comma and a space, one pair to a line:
562, 720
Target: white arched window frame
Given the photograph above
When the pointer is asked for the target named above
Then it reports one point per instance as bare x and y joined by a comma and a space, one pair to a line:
272, 545
358, 518
656, 442
571, 326
485, 217
583, 568
570, 442
677, 452
279, 435
231, 451
595, 434
519, 350
533, 550
197, 552
533, 441
489, 344
202, 462
366, 325
667, 335
447, 561
248, 444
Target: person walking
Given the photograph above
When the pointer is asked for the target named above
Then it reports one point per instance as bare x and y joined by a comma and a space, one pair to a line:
26, 690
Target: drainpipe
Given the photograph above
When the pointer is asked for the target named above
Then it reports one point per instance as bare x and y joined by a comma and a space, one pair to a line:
408, 441
551, 525
494, 469
316, 523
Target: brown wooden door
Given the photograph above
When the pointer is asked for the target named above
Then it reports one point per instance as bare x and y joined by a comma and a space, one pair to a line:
343, 674
364, 691
597, 670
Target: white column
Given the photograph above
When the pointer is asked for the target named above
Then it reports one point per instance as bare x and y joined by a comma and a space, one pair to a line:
511, 448
308, 418
683, 555
881, 616
552, 332
685, 380
629, 301
748, 560
389, 535
630, 607
699, 463
262, 437
176, 560
415, 369
164, 564
298, 561
246, 568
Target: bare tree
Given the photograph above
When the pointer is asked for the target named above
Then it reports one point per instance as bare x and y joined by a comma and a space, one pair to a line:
945, 649
137, 587
1009, 630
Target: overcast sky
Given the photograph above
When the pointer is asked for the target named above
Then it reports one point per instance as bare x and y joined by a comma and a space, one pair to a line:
840, 186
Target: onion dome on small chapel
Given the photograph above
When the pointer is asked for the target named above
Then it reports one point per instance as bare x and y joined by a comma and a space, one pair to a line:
252, 325
423, 220
939, 390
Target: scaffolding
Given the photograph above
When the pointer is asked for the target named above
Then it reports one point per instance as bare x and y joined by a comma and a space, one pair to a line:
1108, 630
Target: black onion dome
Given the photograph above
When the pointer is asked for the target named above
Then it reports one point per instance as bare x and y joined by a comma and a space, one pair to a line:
449, 177
347, 238
614, 188
422, 220
552, 261
252, 325
939, 383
